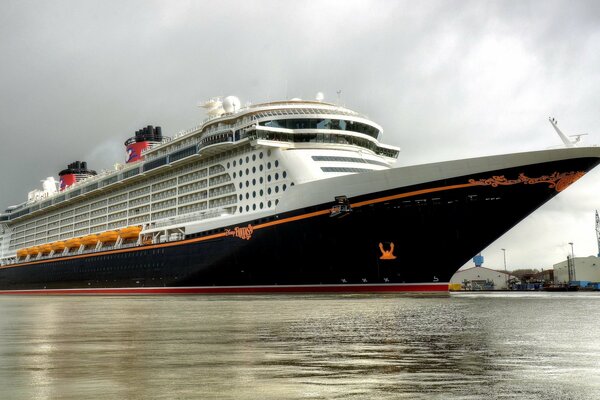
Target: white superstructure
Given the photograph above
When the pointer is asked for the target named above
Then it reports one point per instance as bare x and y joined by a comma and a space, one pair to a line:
239, 161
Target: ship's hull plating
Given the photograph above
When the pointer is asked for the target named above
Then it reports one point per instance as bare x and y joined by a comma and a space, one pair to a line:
404, 239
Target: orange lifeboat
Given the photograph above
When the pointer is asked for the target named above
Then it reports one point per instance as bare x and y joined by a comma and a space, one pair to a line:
58, 246
90, 240
32, 251
108, 236
73, 243
131, 232
45, 248
22, 253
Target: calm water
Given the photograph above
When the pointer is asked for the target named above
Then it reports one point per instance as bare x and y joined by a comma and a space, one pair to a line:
464, 346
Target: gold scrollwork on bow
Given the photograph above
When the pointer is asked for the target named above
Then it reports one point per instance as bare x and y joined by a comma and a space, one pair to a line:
557, 180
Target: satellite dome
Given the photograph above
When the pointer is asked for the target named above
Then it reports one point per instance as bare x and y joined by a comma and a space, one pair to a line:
320, 96
231, 104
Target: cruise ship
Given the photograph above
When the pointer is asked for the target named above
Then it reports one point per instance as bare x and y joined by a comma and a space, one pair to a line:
286, 196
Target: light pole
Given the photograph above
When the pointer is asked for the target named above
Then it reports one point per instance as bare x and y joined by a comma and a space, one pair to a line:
505, 271
572, 272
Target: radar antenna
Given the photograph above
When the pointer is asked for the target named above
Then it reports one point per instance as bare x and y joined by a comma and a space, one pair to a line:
565, 139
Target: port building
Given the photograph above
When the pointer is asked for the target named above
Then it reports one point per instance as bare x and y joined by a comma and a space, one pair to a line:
481, 278
577, 269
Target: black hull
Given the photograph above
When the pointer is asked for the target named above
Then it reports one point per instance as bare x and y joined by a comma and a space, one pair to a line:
411, 238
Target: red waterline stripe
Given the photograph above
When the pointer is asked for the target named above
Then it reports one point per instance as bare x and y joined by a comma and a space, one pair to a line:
417, 287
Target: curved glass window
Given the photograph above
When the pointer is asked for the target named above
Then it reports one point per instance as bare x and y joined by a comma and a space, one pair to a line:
315, 123
324, 138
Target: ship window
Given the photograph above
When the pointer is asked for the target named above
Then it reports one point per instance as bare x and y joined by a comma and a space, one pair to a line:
253, 157
260, 167
269, 165
276, 163
261, 192
247, 159
261, 205
260, 155
253, 181
284, 174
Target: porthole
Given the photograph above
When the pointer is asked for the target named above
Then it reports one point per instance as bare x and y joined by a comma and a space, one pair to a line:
234, 163
247, 183
247, 171
261, 192
269, 165
276, 163
241, 161
261, 180
261, 205
269, 203
284, 187
276, 189
247, 159
247, 196
268, 153
241, 209
253, 194
253, 206
234, 175
276, 175
269, 191
284, 174
241, 197
260, 155
241, 185
253, 170
228, 166
260, 167
253, 157
241, 173
268, 178
276, 201
253, 181
247, 208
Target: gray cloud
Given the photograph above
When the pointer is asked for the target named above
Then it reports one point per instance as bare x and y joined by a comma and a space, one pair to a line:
446, 79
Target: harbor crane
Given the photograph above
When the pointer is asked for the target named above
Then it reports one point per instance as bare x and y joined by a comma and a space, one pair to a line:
598, 231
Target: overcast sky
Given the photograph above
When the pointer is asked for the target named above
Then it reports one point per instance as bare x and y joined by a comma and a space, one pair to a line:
445, 79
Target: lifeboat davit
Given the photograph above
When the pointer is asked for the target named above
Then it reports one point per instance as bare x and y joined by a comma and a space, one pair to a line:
90, 240
58, 246
73, 243
22, 253
45, 248
131, 232
108, 236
